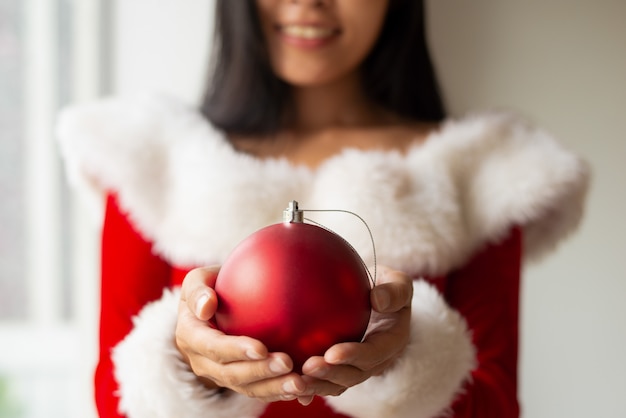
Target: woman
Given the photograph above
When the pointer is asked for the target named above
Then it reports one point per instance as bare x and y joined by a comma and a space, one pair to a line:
335, 105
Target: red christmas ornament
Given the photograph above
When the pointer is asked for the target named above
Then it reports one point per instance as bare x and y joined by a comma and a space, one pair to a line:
296, 287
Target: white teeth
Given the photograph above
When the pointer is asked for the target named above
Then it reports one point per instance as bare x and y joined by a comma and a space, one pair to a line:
307, 32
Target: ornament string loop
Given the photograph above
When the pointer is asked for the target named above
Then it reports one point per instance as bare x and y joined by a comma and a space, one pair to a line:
295, 214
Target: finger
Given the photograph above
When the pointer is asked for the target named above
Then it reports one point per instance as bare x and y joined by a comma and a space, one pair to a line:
202, 276
376, 348
344, 375
217, 346
327, 379
348, 375
330, 380
324, 387
305, 400
197, 291
240, 374
392, 292
285, 387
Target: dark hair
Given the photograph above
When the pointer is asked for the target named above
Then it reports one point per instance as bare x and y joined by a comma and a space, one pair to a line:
244, 96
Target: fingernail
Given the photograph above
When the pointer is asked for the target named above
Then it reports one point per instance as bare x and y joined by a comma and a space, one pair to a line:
290, 387
202, 300
252, 354
278, 365
381, 299
305, 400
318, 372
332, 358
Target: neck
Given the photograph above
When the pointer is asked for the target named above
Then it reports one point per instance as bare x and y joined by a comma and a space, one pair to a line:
338, 104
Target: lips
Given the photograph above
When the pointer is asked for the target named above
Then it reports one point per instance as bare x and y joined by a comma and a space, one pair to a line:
308, 32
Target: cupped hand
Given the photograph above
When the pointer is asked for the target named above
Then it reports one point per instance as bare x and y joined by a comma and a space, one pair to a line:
347, 364
238, 363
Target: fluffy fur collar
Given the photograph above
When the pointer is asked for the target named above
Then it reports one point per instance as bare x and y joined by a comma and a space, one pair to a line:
191, 193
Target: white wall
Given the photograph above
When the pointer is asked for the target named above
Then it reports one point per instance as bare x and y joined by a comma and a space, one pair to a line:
161, 45
563, 64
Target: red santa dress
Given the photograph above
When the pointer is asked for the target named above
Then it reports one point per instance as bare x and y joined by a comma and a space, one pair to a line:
460, 212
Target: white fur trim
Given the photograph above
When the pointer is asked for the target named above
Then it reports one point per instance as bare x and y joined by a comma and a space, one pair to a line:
427, 377
154, 382
195, 197
510, 172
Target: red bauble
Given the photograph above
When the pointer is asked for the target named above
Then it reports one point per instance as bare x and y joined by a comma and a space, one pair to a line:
297, 288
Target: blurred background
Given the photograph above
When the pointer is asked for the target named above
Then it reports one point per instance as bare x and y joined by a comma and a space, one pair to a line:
561, 64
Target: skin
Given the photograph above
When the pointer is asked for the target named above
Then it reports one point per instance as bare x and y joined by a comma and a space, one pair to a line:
244, 365
330, 114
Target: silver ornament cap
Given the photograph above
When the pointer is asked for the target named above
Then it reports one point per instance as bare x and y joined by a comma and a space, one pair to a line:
293, 214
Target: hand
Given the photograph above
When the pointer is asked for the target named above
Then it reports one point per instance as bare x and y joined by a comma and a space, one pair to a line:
347, 364
241, 364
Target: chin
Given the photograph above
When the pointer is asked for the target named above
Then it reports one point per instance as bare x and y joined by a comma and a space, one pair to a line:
301, 79
311, 72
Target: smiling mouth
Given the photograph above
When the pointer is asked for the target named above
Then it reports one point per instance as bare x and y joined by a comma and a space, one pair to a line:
310, 33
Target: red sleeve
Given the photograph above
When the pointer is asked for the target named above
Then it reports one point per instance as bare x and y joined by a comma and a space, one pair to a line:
486, 293
131, 276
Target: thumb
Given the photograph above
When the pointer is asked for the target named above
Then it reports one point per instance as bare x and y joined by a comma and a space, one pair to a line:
394, 293
198, 293
203, 303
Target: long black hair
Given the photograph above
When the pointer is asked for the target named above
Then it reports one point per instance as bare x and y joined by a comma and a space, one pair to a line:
244, 96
